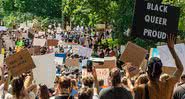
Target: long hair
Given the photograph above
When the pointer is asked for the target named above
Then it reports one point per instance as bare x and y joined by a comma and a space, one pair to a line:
44, 92
154, 68
115, 76
85, 93
17, 87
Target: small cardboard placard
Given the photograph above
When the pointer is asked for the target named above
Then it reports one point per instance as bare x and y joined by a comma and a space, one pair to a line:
168, 70
20, 62
72, 62
107, 62
132, 70
134, 54
110, 62
35, 50
100, 27
102, 74
52, 42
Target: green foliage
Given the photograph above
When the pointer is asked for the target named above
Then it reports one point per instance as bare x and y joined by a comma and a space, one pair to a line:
111, 43
10, 20
118, 13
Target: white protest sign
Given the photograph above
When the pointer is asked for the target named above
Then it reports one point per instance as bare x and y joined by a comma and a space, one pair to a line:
84, 51
45, 70
102, 74
122, 48
84, 62
41, 33
58, 37
59, 60
167, 58
25, 35
39, 42
1, 60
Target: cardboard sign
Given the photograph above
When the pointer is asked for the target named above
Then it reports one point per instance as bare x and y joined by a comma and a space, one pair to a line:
35, 50
52, 42
20, 62
167, 58
39, 42
133, 70
134, 54
168, 70
102, 74
45, 71
1, 60
107, 62
72, 62
154, 21
110, 62
100, 27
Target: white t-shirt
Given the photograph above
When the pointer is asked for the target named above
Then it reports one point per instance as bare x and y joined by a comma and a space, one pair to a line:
1, 90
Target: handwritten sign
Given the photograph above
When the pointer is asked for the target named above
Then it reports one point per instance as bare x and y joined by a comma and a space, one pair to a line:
132, 70
52, 42
102, 74
20, 62
110, 62
84, 51
134, 54
154, 21
72, 62
39, 42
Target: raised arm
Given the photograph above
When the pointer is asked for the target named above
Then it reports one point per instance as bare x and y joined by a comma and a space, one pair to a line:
96, 90
178, 63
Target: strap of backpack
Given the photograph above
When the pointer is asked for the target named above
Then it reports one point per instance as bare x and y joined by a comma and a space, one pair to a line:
146, 92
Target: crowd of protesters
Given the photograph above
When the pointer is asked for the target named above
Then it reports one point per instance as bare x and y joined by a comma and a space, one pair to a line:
149, 84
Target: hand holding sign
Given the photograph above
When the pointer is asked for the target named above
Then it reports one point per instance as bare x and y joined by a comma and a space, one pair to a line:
171, 40
94, 73
131, 70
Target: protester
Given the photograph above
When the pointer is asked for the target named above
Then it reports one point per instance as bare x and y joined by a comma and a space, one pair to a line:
63, 89
71, 83
156, 89
43, 92
116, 91
19, 91
179, 92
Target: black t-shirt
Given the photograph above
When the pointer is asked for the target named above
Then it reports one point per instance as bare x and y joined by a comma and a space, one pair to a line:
115, 93
179, 92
